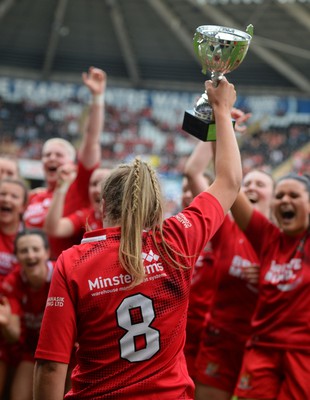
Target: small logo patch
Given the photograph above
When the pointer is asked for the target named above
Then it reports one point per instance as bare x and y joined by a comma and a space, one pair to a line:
150, 256
212, 369
245, 381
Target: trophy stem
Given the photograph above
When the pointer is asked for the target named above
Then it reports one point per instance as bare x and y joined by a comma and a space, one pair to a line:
216, 77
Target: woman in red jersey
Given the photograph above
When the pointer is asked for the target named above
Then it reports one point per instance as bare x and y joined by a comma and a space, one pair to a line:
276, 364
196, 179
59, 153
24, 296
220, 352
123, 293
81, 220
13, 200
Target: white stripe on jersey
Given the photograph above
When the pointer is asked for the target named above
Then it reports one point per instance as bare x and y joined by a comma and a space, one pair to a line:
94, 239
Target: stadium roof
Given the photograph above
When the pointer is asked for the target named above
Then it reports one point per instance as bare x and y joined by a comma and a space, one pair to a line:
148, 43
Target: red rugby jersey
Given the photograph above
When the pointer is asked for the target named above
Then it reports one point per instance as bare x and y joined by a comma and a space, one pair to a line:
130, 340
7, 256
85, 219
76, 198
234, 299
282, 315
28, 303
202, 286
201, 293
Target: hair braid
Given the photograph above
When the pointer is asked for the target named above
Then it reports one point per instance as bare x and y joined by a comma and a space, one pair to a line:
133, 200
136, 184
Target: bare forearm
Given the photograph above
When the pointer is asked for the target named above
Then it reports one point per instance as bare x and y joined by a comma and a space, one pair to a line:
196, 165
55, 212
96, 117
90, 151
49, 380
199, 159
228, 171
227, 156
242, 211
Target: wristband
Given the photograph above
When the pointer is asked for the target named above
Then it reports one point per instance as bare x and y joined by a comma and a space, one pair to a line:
98, 99
63, 188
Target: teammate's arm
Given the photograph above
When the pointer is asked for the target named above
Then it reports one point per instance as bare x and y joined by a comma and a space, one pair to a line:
90, 149
55, 224
228, 170
49, 380
242, 211
10, 323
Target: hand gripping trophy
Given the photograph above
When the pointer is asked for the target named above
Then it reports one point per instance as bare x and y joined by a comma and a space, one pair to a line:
220, 50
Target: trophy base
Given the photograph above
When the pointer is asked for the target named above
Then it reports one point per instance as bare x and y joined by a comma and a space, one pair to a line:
201, 129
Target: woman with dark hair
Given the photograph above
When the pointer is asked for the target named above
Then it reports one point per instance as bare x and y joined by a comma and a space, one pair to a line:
13, 200
220, 345
276, 364
24, 293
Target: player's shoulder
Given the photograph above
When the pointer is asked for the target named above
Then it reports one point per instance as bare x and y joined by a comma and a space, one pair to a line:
37, 193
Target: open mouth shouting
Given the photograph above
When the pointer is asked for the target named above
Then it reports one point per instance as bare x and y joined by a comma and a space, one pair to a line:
51, 169
252, 197
6, 209
287, 216
31, 263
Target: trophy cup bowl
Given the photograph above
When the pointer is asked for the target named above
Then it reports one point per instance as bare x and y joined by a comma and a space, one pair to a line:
220, 50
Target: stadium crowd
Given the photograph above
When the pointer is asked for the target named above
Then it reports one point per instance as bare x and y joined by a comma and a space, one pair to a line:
230, 268
25, 125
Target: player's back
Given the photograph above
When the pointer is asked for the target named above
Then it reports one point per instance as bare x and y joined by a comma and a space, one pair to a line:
131, 340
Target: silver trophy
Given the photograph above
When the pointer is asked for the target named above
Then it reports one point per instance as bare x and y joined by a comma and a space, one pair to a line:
220, 50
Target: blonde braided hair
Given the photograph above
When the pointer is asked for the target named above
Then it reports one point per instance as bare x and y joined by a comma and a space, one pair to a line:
136, 184
133, 200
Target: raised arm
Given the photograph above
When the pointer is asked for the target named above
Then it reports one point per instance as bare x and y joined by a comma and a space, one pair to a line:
242, 211
202, 155
195, 166
55, 224
90, 150
228, 170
